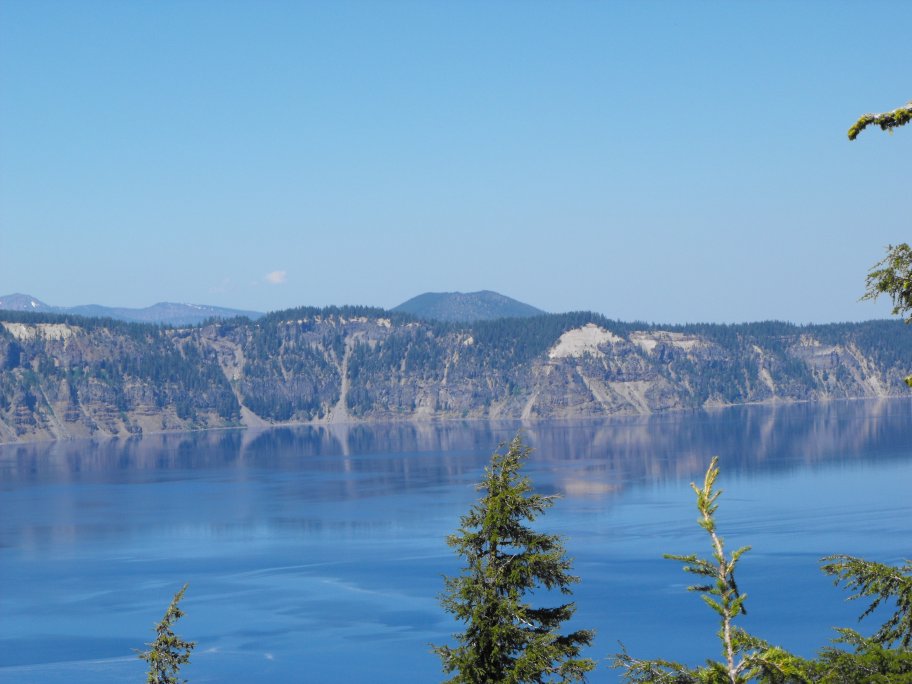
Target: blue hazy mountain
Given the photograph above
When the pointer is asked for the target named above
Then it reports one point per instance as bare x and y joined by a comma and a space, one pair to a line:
168, 313
466, 307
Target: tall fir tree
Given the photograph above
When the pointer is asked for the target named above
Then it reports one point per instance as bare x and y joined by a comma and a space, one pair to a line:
168, 652
507, 640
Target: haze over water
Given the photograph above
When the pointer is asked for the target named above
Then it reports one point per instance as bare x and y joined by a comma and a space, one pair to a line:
316, 554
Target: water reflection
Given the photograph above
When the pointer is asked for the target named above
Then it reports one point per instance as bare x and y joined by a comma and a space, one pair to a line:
617, 452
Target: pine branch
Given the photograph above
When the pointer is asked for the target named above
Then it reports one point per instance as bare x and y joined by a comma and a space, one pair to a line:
887, 120
653, 671
892, 276
867, 662
880, 583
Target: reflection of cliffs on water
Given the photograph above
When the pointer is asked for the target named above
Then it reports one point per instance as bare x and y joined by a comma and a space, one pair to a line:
68, 377
359, 460
749, 438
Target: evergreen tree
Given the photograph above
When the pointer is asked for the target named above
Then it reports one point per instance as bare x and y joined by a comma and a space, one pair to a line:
168, 651
507, 640
891, 276
745, 658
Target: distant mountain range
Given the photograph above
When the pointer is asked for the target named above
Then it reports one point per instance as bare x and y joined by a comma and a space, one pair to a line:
451, 307
167, 313
466, 307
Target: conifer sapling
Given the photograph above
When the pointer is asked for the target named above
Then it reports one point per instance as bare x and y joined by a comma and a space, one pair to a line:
168, 651
745, 658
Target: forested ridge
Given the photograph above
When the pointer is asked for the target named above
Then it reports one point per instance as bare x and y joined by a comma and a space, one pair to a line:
70, 376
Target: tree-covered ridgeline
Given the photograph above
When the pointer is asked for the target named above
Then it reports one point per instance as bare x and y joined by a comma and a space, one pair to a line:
63, 375
121, 369
491, 362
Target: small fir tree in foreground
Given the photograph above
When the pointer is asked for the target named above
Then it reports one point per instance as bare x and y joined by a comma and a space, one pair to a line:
168, 651
506, 639
745, 658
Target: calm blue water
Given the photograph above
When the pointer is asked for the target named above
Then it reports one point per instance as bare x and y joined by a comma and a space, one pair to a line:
316, 554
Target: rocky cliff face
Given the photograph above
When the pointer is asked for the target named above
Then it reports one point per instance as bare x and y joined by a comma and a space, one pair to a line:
63, 377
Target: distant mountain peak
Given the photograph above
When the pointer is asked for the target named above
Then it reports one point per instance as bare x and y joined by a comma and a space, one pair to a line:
465, 307
23, 302
169, 313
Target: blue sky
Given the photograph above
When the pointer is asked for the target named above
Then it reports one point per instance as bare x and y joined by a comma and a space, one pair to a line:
658, 161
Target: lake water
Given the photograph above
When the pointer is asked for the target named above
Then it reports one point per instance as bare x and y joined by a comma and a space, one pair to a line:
316, 554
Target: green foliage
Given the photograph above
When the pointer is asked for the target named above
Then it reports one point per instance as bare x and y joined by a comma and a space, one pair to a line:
506, 639
767, 664
887, 121
869, 663
883, 658
745, 657
880, 583
892, 276
721, 593
873, 658
168, 652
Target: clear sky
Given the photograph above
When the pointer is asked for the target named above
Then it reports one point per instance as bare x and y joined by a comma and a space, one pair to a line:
658, 161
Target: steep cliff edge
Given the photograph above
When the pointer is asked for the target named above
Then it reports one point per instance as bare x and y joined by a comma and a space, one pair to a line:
67, 376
